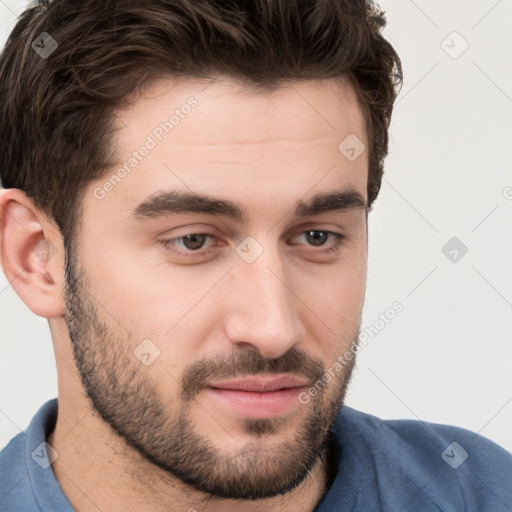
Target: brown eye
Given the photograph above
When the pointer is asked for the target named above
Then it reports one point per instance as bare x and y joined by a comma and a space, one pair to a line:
317, 237
187, 243
195, 241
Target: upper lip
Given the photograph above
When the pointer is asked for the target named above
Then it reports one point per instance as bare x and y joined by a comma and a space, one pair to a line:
261, 383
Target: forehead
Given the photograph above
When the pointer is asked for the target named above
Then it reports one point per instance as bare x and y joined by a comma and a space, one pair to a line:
232, 112
226, 139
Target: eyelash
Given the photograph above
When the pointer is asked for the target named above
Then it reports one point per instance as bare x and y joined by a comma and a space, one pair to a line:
168, 244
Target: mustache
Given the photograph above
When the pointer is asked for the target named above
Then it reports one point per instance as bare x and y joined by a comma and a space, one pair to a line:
197, 375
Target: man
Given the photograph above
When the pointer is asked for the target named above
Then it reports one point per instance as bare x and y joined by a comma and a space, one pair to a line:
187, 186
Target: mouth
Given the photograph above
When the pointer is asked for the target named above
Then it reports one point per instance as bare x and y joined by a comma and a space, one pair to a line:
261, 384
258, 396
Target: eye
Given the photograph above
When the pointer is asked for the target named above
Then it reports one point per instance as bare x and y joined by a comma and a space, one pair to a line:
191, 242
318, 238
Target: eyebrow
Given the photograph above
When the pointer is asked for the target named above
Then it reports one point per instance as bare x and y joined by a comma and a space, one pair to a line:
166, 202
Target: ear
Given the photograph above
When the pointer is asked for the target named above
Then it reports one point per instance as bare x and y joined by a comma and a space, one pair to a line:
31, 254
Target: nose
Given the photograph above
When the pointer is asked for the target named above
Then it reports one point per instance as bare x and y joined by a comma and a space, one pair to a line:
262, 307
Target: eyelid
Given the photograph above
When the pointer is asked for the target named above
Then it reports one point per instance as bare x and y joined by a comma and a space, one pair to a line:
326, 231
333, 247
324, 249
168, 244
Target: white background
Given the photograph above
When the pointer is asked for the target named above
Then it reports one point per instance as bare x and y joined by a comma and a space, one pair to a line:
447, 357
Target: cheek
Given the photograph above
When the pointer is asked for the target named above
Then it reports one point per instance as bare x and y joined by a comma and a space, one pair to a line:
173, 306
338, 288
337, 307
130, 288
154, 302
333, 299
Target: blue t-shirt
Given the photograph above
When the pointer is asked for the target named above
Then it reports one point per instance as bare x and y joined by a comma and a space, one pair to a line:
382, 465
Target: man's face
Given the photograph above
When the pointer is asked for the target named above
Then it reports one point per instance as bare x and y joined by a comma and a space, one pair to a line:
266, 293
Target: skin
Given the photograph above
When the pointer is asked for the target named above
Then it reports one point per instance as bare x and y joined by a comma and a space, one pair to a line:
137, 437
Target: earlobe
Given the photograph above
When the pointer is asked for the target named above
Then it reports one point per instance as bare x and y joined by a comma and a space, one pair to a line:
31, 254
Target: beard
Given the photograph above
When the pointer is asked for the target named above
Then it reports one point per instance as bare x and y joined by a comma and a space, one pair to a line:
131, 403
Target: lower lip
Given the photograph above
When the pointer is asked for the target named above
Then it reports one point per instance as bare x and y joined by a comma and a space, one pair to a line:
252, 404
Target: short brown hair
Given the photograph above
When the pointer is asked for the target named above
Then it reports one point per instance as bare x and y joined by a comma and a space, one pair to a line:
57, 113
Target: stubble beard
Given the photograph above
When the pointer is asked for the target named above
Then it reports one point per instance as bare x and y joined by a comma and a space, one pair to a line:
115, 383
